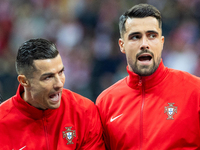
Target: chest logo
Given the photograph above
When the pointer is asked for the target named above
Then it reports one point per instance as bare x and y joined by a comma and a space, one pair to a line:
170, 111
112, 119
22, 148
69, 135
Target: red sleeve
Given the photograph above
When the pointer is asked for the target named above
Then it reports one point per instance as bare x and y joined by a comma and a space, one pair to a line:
93, 139
102, 112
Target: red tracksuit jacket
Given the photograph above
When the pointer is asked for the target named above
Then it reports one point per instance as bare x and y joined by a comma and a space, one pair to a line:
156, 112
74, 125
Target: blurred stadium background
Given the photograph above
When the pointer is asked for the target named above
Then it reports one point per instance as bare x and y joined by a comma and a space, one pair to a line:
86, 34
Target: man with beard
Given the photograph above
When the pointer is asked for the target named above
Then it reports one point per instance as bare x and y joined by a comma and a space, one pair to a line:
43, 115
154, 107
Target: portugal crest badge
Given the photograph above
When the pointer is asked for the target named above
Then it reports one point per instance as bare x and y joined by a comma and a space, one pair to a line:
170, 110
69, 135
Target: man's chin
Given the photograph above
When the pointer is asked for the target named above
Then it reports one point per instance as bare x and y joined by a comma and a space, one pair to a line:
54, 106
145, 71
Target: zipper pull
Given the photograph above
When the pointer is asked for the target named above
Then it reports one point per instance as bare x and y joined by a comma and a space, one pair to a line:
140, 81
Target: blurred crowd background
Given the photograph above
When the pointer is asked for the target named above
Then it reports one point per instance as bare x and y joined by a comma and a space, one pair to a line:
86, 34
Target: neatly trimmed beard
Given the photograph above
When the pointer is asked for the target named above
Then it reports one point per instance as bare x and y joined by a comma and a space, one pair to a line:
145, 70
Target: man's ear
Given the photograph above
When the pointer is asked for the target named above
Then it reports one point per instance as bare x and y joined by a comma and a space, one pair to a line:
23, 80
121, 45
162, 41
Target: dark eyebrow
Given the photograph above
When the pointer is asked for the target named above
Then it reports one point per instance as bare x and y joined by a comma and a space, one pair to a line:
133, 33
152, 31
50, 73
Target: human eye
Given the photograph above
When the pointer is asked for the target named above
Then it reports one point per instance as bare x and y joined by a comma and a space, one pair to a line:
47, 77
135, 37
152, 35
61, 72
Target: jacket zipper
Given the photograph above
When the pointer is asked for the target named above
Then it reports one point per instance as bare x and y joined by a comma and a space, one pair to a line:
45, 131
141, 83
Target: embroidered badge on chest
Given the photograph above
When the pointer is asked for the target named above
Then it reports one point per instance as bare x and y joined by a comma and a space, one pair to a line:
69, 135
170, 110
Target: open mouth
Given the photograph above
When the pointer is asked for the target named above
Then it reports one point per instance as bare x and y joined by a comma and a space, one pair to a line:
55, 97
145, 57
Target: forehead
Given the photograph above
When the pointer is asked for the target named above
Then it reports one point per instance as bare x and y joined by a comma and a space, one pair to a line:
142, 25
48, 65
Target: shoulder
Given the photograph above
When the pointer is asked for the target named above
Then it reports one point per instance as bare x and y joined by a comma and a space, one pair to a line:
114, 89
76, 100
5, 108
184, 77
183, 81
79, 107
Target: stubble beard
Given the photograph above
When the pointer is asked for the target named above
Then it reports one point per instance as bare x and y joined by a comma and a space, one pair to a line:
145, 70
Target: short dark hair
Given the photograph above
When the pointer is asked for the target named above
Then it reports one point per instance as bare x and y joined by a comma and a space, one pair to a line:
139, 11
33, 49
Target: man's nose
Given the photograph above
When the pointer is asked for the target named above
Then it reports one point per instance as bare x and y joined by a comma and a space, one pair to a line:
58, 82
144, 44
